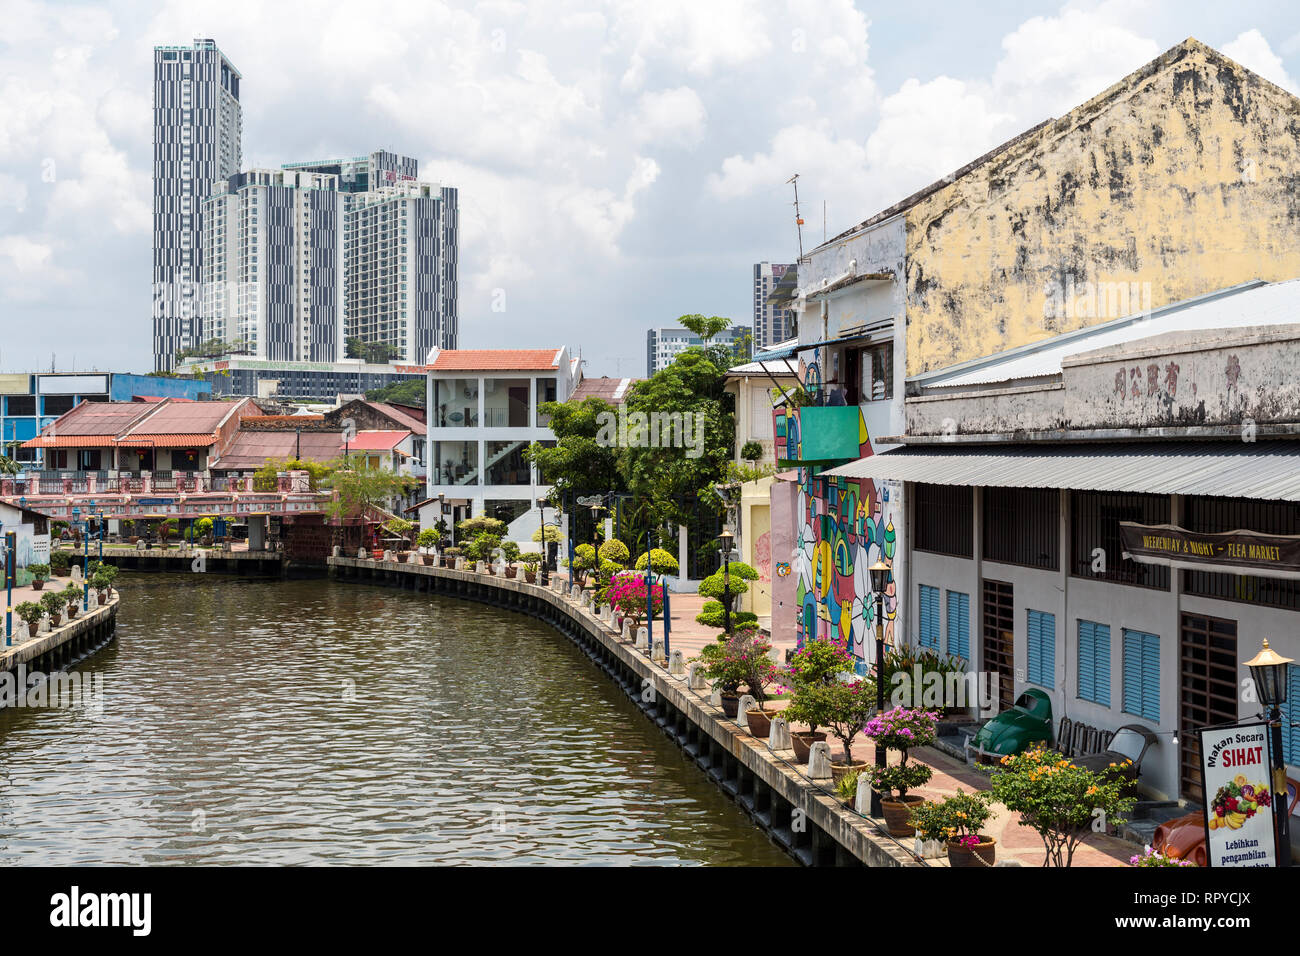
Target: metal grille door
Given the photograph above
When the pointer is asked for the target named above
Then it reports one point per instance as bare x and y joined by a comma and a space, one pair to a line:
1207, 690
999, 638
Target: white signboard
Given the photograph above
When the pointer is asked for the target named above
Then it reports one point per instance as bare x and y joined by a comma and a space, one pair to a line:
1235, 766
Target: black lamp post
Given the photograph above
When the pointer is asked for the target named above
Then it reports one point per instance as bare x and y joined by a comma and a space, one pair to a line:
1268, 670
879, 581
727, 539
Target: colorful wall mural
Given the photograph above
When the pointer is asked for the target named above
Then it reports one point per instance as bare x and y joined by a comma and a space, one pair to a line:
844, 525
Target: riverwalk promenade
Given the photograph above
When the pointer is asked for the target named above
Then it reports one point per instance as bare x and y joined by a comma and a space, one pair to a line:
1017, 845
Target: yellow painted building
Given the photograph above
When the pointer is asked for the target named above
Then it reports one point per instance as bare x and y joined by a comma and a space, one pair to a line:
1181, 179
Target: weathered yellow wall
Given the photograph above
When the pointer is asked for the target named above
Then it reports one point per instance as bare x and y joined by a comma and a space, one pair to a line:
1185, 175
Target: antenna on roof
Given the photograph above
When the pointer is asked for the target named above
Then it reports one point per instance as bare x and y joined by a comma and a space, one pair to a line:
798, 221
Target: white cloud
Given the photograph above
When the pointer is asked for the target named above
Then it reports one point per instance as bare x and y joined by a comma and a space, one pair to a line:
26, 255
1252, 51
671, 117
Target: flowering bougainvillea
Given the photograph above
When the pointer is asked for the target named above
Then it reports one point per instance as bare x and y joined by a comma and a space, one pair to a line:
627, 593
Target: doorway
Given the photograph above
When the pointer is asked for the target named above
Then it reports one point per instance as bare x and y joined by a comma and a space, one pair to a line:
1207, 691
999, 638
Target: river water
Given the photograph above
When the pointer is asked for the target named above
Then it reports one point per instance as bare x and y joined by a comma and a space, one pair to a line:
324, 722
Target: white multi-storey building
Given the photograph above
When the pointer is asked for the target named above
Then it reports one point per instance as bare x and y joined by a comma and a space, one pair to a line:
401, 268
197, 131
273, 270
482, 414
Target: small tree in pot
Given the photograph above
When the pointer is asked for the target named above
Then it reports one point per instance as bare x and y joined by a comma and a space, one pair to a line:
743, 658
957, 822
531, 561
60, 563
54, 603
425, 541
31, 612
72, 597
510, 552
40, 574
817, 664
900, 729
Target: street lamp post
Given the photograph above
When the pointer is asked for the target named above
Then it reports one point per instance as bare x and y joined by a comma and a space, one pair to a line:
879, 581
727, 539
1268, 669
85, 557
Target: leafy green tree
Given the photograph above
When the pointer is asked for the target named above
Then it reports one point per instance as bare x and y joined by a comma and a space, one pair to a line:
705, 326
360, 491
407, 392
578, 463
725, 586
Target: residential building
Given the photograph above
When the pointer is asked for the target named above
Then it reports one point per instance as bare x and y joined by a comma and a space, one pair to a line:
273, 265
196, 144
401, 268
1079, 221
766, 552
772, 323
328, 382
1112, 516
31, 401
482, 414
665, 344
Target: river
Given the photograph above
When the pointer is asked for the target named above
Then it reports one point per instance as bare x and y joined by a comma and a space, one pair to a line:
325, 722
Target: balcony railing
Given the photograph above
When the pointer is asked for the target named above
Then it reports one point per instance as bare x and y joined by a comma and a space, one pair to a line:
119, 482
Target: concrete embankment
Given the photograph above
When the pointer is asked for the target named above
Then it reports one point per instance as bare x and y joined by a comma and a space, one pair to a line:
248, 563
808, 822
57, 648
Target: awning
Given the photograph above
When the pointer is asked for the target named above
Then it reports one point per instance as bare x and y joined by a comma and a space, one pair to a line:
790, 350
1266, 469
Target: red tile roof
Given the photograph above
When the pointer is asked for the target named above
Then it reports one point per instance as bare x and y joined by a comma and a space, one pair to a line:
173, 440
496, 360
376, 440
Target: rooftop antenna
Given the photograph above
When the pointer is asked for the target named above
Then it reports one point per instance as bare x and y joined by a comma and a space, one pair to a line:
798, 221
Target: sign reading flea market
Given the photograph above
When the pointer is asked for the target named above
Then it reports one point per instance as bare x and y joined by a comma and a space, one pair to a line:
1233, 552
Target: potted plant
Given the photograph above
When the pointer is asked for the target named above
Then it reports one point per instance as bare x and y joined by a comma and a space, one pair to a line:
31, 612
958, 820
844, 708
449, 556
930, 821
584, 562
723, 588
401, 529
846, 788
53, 602
102, 581
739, 659
60, 563
900, 729
426, 540
532, 560
817, 663
40, 574
73, 595
1059, 800
628, 594
510, 551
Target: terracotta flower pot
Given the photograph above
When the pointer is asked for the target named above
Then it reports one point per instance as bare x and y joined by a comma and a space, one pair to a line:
759, 721
730, 705
802, 744
896, 811
55, 620
38, 583
980, 855
427, 559
530, 576
511, 572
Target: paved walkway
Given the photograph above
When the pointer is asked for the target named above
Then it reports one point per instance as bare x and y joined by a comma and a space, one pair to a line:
1015, 842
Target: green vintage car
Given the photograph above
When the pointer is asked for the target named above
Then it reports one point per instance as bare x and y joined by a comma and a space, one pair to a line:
1029, 721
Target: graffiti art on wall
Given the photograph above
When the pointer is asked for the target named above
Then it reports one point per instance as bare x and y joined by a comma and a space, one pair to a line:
845, 524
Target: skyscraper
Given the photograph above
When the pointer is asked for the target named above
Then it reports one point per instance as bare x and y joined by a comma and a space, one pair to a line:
273, 265
771, 324
196, 144
401, 268
363, 173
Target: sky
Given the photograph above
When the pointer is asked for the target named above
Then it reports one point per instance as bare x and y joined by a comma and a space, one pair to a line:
620, 164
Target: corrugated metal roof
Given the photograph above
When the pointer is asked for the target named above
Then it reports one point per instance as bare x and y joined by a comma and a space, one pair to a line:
249, 450
495, 360
1266, 469
188, 418
377, 440
607, 389
1239, 306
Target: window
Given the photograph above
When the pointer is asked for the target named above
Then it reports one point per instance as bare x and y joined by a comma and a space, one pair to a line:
1094, 662
20, 405
1094, 523
1229, 514
455, 402
1142, 674
944, 519
877, 366
58, 404
1023, 526
929, 617
959, 625
1041, 648
505, 402
1291, 717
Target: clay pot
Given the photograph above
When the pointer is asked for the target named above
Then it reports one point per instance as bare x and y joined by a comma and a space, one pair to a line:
511, 572
897, 811
983, 854
731, 705
38, 583
802, 744
760, 722
530, 576
427, 559
55, 620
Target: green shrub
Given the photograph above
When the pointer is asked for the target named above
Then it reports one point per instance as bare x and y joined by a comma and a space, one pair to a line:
53, 602
616, 551
31, 612
711, 616
39, 571
60, 560
427, 538
663, 562
510, 550
552, 534
472, 527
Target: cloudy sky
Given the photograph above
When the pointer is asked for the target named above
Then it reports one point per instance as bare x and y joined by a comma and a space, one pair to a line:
619, 163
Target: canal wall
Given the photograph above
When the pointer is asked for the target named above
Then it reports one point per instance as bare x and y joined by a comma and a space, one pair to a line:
808, 822
59, 647
248, 563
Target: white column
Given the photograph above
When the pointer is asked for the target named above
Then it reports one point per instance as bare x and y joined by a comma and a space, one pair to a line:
681, 551
257, 533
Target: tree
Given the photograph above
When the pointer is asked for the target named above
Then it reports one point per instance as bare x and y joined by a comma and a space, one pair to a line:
375, 353
407, 392
360, 490
265, 478
706, 327
578, 463
726, 585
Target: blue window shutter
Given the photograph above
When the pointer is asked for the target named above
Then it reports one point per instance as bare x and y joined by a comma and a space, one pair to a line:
1041, 649
1290, 714
1142, 674
959, 625
929, 617
1101, 661
1087, 660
